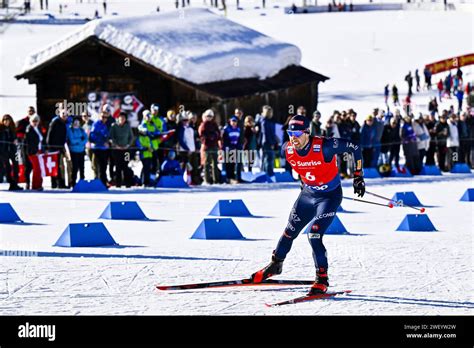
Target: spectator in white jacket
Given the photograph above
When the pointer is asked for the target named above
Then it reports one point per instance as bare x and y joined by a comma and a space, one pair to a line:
453, 141
188, 155
422, 137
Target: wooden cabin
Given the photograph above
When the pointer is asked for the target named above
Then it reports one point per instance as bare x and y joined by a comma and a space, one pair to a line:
71, 70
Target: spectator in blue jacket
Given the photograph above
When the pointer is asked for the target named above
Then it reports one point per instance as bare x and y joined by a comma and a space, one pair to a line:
232, 143
76, 140
171, 166
367, 141
460, 96
387, 117
99, 138
268, 140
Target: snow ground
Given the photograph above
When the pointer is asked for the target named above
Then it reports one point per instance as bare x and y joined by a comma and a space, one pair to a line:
390, 273
360, 52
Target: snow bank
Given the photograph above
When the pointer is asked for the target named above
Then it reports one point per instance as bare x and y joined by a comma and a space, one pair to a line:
194, 44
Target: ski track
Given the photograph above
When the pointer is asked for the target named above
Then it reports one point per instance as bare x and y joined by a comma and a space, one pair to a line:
390, 273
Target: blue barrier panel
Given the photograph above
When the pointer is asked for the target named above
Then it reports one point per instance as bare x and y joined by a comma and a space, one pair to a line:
461, 168
217, 229
230, 207
430, 170
172, 182
123, 211
416, 223
85, 235
371, 173
89, 186
408, 198
468, 196
8, 214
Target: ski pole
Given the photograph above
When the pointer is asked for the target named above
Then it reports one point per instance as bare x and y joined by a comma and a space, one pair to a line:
390, 205
422, 210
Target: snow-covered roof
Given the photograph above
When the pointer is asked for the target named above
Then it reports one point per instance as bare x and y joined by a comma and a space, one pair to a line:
196, 45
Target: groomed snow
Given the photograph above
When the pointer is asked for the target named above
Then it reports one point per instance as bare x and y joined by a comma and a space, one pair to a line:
390, 272
193, 44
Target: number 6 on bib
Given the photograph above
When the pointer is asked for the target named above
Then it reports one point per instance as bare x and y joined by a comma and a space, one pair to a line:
310, 177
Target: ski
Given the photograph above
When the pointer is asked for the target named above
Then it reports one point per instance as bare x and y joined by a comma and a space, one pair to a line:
307, 298
233, 283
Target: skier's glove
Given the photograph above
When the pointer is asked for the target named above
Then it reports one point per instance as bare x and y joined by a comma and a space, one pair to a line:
359, 184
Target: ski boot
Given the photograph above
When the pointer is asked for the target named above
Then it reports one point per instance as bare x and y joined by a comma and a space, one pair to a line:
273, 268
321, 284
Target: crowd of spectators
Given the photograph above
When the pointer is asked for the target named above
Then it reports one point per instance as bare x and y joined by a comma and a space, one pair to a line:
204, 152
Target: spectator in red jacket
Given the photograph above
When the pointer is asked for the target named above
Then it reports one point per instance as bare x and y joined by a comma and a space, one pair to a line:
210, 140
440, 89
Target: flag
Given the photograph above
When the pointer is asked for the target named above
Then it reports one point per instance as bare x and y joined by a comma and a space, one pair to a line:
166, 135
46, 164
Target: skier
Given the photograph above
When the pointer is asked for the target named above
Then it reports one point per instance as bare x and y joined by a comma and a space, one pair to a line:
314, 159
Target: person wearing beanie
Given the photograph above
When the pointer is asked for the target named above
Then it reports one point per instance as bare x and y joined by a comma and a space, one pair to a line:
171, 166
147, 145
232, 144
210, 137
314, 159
77, 140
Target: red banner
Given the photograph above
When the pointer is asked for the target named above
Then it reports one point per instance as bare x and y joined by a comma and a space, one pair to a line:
451, 63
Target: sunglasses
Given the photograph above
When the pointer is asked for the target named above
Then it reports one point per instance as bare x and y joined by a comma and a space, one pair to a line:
296, 133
